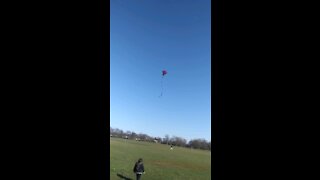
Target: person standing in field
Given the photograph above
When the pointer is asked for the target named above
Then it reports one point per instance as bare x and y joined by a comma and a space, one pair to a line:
139, 169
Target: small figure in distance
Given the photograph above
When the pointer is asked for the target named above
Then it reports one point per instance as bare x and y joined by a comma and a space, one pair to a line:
139, 169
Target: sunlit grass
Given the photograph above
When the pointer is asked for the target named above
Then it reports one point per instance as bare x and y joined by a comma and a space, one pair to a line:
160, 162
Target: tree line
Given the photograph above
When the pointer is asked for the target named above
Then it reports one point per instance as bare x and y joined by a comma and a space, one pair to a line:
173, 140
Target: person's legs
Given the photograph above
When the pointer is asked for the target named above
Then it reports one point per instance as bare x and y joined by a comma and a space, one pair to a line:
138, 176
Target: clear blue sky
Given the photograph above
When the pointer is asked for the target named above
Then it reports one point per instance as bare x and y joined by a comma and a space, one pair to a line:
147, 36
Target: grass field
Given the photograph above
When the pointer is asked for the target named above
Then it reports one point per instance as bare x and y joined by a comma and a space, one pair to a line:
160, 162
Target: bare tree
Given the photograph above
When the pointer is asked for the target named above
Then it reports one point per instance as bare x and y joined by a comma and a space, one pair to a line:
133, 135
143, 137
178, 141
128, 133
166, 138
200, 144
181, 141
174, 140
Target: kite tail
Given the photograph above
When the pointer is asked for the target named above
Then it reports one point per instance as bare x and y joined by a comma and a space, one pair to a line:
161, 87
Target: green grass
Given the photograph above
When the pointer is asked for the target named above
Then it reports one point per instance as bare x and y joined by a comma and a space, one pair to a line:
160, 162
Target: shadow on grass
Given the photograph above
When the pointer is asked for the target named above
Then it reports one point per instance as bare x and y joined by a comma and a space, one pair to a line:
123, 177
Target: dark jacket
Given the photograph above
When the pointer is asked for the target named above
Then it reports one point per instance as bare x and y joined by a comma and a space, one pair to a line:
138, 168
